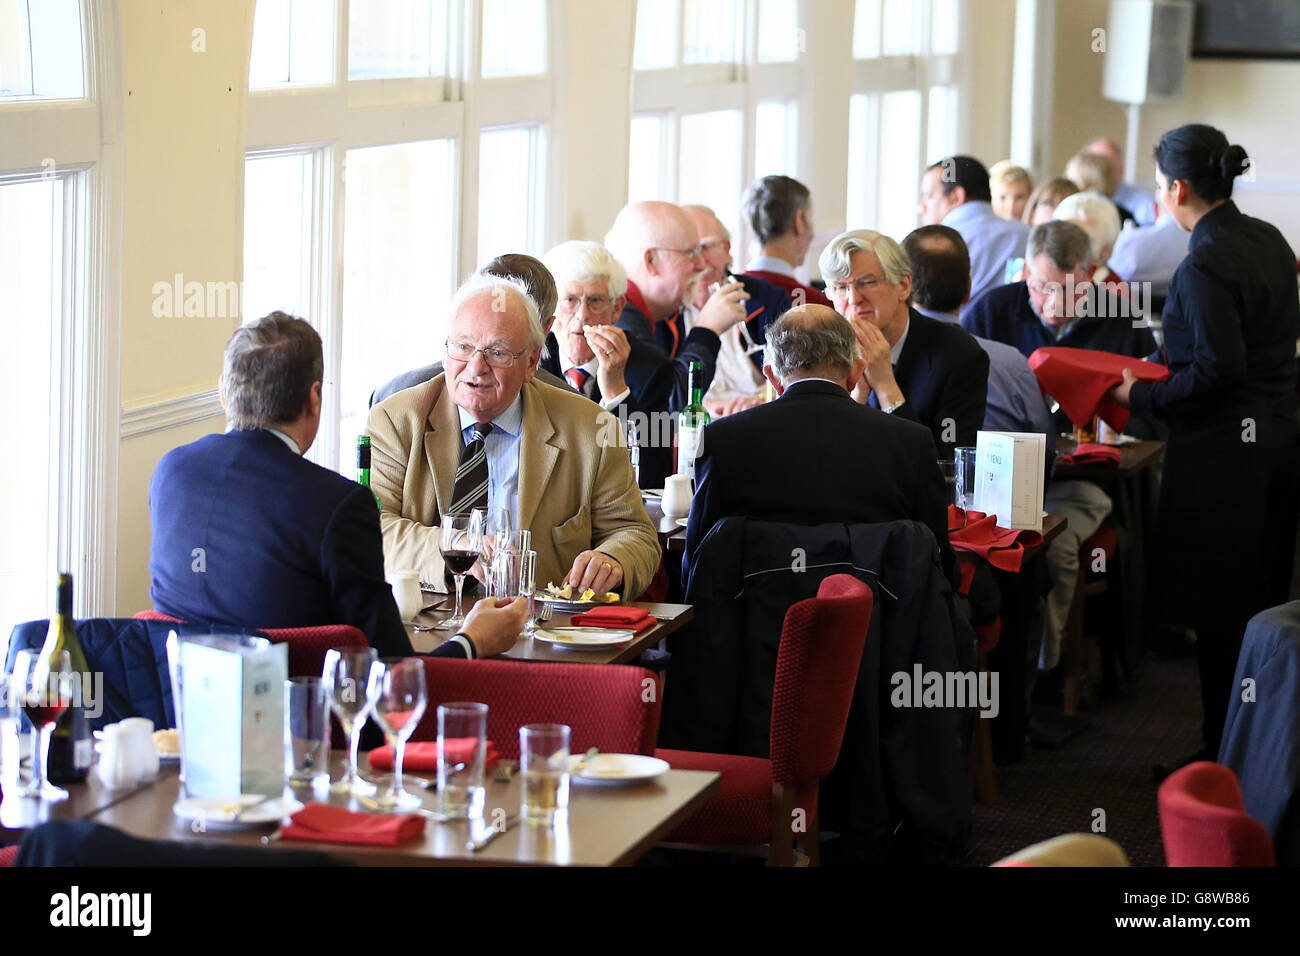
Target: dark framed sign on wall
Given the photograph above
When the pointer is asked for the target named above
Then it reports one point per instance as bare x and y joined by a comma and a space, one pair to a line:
1247, 29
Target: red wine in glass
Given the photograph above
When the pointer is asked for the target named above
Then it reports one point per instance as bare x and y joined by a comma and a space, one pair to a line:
460, 561
45, 714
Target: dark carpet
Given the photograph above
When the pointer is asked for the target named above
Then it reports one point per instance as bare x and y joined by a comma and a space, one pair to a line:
1103, 775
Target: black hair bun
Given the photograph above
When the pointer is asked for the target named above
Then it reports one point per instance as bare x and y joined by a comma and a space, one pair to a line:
1233, 162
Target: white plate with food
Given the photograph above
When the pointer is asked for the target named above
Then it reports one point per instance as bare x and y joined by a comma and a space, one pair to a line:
241, 810
569, 598
584, 636
616, 768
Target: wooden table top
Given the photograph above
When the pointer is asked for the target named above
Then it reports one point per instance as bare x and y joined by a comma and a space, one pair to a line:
19, 814
608, 825
1133, 458
671, 534
672, 617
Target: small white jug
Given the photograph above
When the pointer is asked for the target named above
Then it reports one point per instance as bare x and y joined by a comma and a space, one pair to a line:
406, 591
677, 496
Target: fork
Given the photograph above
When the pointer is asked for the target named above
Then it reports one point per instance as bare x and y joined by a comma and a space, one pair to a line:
545, 613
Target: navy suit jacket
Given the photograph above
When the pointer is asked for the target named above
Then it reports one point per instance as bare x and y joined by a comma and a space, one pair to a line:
247, 533
815, 456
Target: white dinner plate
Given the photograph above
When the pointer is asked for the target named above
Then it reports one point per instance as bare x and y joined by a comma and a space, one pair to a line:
618, 768
584, 636
570, 605
220, 811
652, 493
683, 522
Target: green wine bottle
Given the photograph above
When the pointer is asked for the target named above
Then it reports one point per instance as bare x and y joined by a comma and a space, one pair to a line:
71, 748
691, 422
363, 466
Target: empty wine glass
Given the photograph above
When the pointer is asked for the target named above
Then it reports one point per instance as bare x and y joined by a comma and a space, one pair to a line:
346, 679
42, 686
461, 543
397, 699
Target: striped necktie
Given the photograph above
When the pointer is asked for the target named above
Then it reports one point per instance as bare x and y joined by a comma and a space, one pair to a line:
578, 379
471, 489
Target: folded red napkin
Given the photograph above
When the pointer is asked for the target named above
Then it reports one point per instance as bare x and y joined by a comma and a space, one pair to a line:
323, 823
1088, 454
974, 531
630, 618
1080, 378
422, 755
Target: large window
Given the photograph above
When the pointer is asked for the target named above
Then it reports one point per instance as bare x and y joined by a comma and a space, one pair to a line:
906, 103
369, 198
41, 49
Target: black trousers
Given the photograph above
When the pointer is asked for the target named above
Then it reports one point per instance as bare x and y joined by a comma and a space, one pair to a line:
1216, 658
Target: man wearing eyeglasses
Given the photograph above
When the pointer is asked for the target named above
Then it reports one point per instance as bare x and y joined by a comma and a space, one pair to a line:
738, 383
659, 247
916, 367
484, 434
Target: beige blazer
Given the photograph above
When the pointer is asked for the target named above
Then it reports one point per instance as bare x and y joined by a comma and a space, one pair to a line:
576, 488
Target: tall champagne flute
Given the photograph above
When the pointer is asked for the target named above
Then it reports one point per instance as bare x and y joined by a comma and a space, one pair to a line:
42, 686
397, 699
461, 543
346, 679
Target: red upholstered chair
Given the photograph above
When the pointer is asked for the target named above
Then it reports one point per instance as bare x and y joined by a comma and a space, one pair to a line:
307, 645
8, 854
1105, 541
816, 669
614, 708
1203, 821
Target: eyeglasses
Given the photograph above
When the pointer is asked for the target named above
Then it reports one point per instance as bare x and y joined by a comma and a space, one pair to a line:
863, 285
497, 358
688, 253
595, 303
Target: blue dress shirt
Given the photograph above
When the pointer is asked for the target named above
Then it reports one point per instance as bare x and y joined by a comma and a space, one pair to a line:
1137, 201
1150, 253
991, 241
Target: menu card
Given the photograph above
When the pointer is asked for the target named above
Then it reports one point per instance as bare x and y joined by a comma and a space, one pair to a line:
1009, 477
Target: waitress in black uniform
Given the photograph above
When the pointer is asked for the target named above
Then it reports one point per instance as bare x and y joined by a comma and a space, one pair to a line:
1228, 502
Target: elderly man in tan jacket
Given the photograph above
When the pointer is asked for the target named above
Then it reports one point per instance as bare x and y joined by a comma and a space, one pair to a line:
485, 434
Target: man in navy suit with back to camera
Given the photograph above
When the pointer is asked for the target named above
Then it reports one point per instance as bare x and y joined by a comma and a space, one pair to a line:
248, 532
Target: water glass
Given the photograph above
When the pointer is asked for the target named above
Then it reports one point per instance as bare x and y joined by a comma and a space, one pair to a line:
306, 732
514, 574
462, 750
948, 468
965, 478
544, 768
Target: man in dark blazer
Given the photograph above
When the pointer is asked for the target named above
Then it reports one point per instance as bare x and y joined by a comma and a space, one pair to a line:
917, 368
248, 532
541, 286
814, 455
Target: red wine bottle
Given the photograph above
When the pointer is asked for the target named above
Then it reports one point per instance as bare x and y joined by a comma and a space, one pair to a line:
71, 749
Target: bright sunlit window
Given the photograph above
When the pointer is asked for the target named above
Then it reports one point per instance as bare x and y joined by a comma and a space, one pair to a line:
656, 35
278, 212
512, 177
514, 38
713, 31
779, 37
648, 176
400, 38
866, 30
398, 252
293, 43
710, 168
776, 138
41, 49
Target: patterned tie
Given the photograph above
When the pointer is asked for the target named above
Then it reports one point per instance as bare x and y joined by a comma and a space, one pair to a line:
471, 489
578, 379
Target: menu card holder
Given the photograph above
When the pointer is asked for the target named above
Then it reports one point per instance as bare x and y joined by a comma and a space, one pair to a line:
233, 714
1009, 478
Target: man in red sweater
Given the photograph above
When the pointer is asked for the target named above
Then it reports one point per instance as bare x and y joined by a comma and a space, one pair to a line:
780, 213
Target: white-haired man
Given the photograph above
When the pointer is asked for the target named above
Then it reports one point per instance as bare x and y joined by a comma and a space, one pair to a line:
1097, 216
917, 368
483, 434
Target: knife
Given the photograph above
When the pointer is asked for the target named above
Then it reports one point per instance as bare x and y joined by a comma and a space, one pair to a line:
475, 845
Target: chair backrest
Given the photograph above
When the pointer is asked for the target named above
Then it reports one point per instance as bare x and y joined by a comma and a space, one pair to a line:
615, 708
307, 645
1203, 823
816, 670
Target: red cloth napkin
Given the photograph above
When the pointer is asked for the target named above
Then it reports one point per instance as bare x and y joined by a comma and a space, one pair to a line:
1080, 378
974, 531
422, 755
323, 823
630, 618
1089, 454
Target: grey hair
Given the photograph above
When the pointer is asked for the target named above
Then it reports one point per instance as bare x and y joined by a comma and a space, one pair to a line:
586, 262
1065, 244
1097, 216
834, 261
268, 371
501, 286
797, 342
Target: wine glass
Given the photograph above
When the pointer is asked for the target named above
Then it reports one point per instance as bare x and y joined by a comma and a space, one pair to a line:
346, 679
461, 543
42, 685
397, 699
